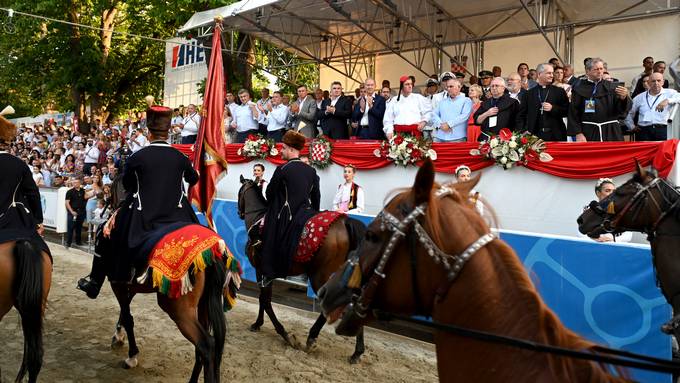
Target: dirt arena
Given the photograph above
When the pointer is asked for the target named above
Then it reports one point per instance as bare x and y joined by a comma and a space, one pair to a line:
78, 333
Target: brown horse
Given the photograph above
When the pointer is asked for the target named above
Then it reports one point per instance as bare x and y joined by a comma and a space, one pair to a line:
198, 314
341, 238
25, 279
647, 204
405, 266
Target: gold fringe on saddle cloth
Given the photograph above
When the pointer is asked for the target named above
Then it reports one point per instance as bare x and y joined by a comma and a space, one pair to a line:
176, 260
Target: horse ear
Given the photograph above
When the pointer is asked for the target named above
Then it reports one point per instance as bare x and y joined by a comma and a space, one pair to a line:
640, 170
422, 187
464, 188
242, 179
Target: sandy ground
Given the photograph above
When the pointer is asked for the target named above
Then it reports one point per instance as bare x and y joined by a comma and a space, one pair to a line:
78, 333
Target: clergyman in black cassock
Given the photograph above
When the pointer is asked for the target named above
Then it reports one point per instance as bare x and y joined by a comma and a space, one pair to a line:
546, 125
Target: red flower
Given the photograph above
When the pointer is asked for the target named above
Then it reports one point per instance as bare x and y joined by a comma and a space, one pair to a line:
252, 137
531, 155
398, 140
485, 149
264, 148
416, 154
409, 145
505, 134
524, 140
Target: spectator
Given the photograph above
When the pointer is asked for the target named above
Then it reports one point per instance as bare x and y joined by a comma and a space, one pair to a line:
335, 112
245, 117
138, 140
105, 175
190, 125
91, 152
660, 67
408, 113
596, 106
451, 116
546, 105
75, 205
474, 130
304, 111
275, 116
261, 107
37, 176
99, 214
648, 66
318, 98
485, 78
603, 188
461, 79
525, 81
350, 196
258, 177
463, 174
653, 108
369, 113
555, 62
57, 181
496, 71
515, 89
558, 80
386, 93
500, 111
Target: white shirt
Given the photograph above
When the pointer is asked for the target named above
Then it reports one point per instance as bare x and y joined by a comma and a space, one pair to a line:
646, 104
176, 120
244, 119
137, 143
92, 154
191, 124
406, 111
342, 198
276, 119
364, 117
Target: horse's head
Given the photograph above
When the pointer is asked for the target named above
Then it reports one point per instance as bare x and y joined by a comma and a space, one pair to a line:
407, 231
634, 206
251, 202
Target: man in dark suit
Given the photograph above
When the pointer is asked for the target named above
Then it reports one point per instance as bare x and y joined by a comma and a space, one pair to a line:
335, 111
514, 89
499, 111
545, 107
369, 112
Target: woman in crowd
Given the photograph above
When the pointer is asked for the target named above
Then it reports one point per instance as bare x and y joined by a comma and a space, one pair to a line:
603, 188
37, 175
463, 174
475, 94
558, 80
350, 196
96, 191
69, 168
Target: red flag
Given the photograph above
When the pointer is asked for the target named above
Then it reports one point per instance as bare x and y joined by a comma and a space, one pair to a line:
209, 157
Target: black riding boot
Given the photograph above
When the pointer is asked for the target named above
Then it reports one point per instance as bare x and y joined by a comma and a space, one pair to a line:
93, 282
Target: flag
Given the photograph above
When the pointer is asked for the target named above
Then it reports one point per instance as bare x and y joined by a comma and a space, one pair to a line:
209, 151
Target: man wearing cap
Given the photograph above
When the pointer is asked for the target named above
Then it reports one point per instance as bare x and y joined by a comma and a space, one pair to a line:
485, 78
461, 79
408, 113
155, 204
369, 112
293, 197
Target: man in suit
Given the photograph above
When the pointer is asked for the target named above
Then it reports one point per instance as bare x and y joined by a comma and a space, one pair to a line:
335, 111
303, 112
485, 78
369, 112
569, 77
515, 89
499, 111
544, 108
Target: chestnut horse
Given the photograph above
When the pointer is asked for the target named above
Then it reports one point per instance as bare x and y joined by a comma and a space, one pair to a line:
25, 279
199, 314
342, 237
406, 265
647, 204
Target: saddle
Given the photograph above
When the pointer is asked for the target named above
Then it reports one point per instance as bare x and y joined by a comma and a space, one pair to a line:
314, 234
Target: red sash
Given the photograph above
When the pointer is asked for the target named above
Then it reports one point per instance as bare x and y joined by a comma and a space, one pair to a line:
410, 129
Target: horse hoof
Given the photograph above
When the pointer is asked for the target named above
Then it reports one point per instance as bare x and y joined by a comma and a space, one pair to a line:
294, 342
311, 345
255, 327
354, 359
130, 363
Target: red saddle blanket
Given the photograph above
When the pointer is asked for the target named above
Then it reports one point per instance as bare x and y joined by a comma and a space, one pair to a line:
314, 234
174, 255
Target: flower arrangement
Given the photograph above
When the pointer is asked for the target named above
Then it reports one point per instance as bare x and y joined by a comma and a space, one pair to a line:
510, 149
405, 150
257, 146
320, 150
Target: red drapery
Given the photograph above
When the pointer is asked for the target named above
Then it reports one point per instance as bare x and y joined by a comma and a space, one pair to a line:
582, 160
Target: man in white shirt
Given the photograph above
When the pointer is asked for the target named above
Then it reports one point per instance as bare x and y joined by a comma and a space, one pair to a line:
276, 115
261, 107
190, 125
653, 107
407, 113
138, 141
91, 157
246, 116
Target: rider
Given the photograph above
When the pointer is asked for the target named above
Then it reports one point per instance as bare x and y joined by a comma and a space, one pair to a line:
20, 209
155, 204
293, 197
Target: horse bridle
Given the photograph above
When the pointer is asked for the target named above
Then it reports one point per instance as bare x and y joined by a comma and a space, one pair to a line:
242, 214
453, 264
611, 218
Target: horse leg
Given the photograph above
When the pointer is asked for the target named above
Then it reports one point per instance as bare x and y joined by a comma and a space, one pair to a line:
118, 338
124, 297
358, 348
260, 314
314, 332
198, 360
266, 299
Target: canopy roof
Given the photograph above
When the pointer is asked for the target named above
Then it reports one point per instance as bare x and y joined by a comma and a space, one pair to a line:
349, 34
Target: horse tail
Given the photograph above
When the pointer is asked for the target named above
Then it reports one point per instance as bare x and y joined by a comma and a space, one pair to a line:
215, 277
355, 231
28, 289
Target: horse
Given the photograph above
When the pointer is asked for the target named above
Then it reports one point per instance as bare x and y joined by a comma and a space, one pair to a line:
198, 314
430, 253
342, 236
25, 280
647, 204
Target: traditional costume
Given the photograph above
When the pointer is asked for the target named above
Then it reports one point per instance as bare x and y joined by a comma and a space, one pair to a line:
293, 197
349, 198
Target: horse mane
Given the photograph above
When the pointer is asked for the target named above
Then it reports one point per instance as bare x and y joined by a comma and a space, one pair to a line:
550, 328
